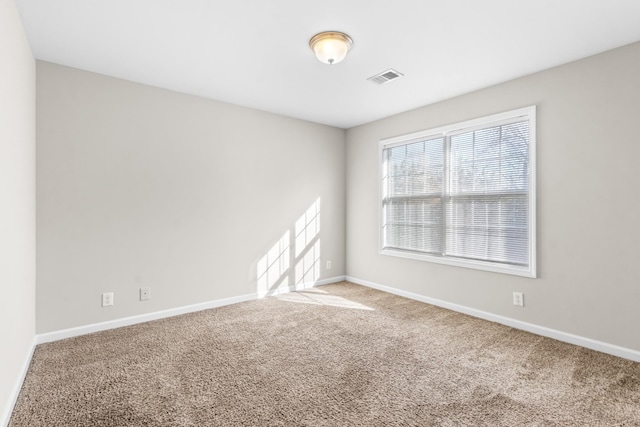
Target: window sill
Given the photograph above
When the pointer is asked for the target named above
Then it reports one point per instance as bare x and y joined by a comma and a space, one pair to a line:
528, 271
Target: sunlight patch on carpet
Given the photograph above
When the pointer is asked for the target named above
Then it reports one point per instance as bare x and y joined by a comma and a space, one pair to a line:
318, 297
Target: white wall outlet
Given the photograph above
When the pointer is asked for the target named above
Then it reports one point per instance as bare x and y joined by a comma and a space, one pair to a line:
107, 299
145, 294
329, 265
518, 299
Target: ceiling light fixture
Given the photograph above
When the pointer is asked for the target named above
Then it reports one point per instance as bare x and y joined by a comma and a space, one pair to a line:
330, 47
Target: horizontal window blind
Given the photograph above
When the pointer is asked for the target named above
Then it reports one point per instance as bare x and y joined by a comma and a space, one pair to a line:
463, 194
487, 203
414, 196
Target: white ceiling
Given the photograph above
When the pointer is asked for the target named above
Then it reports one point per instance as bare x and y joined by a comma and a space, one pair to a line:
255, 53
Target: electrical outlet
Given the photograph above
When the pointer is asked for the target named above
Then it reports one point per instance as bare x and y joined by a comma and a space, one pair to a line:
107, 299
145, 294
328, 265
518, 299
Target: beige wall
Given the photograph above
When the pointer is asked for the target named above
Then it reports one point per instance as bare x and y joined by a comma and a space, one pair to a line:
17, 202
588, 209
139, 186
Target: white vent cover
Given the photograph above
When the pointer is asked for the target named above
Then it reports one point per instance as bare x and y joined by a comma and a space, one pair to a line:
385, 76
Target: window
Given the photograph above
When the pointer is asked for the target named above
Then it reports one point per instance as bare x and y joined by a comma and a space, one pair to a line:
463, 194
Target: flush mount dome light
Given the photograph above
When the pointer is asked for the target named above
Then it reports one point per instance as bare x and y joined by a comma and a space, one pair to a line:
330, 47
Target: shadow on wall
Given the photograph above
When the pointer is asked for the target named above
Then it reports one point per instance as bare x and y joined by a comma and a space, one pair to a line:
298, 247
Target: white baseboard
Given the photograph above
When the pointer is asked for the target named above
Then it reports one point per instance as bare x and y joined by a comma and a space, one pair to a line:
529, 327
127, 321
331, 280
13, 396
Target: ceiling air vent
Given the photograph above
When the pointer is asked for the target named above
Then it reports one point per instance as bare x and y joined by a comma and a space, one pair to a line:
385, 76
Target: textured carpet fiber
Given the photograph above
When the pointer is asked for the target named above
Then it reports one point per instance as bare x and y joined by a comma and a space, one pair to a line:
337, 355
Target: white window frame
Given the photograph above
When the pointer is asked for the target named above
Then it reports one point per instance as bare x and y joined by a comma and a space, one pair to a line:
527, 113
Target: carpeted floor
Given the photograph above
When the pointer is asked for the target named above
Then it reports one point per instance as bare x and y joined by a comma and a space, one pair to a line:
337, 355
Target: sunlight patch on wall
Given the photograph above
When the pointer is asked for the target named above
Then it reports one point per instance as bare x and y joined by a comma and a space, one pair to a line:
308, 267
308, 246
274, 265
307, 227
299, 246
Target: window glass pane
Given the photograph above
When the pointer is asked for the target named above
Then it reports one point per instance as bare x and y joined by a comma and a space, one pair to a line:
416, 168
414, 225
412, 203
487, 213
515, 156
488, 228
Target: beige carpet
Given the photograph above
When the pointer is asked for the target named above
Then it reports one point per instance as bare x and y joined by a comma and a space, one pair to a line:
338, 355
